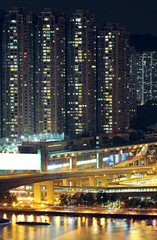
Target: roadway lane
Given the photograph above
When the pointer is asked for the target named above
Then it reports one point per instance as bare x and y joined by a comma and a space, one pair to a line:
15, 180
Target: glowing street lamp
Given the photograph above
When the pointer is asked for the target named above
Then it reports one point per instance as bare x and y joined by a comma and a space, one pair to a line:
22, 137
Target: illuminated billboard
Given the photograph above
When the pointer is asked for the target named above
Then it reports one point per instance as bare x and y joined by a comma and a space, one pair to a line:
13, 161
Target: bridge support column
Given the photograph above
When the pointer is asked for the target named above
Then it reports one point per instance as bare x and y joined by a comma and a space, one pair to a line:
97, 160
37, 192
128, 175
114, 153
104, 181
65, 182
72, 162
101, 155
50, 192
115, 176
78, 181
120, 155
91, 181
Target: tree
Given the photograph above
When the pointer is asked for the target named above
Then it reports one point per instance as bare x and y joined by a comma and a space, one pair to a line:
101, 198
118, 140
113, 198
7, 197
154, 198
82, 199
64, 199
89, 199
133, 203
75, 199
135, 136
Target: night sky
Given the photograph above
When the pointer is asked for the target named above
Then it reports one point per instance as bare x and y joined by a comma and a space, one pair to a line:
137, 16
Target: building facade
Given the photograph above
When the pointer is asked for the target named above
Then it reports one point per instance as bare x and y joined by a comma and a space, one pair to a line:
113, 79
17, 73
60, 75
146, 77
50, 94
133, 83
81, 74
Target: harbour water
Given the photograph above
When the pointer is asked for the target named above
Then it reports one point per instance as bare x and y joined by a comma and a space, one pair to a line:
80, 228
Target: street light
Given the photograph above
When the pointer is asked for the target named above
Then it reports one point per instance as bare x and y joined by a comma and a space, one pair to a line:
22, 137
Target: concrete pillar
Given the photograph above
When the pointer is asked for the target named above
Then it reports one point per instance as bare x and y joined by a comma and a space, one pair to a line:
50, 192
91, 181
84, 182
72, 161
115, 176
114, 157
81, 182
120, 155
104, 181
37, 192
128, 175
97, 160
101, 154
78, 182
65, 182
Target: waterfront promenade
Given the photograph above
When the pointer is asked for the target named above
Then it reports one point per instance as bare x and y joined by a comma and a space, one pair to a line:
83, 211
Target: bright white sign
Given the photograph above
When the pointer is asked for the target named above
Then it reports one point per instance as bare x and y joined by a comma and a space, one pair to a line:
21, 161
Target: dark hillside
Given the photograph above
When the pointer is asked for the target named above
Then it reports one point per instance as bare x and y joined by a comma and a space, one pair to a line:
143, 43
146, 116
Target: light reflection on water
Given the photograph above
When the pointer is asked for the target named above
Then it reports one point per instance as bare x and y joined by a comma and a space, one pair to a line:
80, 228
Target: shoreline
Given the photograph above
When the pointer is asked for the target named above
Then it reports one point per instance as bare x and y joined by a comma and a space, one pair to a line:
80, 214
4, 221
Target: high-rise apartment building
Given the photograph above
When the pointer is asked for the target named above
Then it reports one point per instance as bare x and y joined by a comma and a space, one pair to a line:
59, 76
133, 83
17, 73
81, 74
1, 18
50, 94
146, 77
113, 79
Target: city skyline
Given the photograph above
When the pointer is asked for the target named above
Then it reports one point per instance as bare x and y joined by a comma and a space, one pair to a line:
63, 74
49, 75
137, 16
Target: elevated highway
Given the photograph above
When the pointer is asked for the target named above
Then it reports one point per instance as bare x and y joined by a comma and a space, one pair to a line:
141, 160
10, 181
138, 157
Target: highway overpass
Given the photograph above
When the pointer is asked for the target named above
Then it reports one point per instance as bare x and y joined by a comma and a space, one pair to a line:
10, 181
